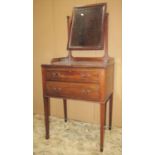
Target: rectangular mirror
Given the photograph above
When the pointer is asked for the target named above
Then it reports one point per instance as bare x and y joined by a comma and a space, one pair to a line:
86, 30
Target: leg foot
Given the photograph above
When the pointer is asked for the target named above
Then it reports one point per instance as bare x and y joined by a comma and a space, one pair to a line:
101, 149
47, 137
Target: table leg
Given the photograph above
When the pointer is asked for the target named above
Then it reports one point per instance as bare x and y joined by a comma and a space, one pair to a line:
110, 111
102, 115
46, 114
105, 113
65, 109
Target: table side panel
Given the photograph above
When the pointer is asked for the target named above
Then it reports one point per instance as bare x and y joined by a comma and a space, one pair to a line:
109, 80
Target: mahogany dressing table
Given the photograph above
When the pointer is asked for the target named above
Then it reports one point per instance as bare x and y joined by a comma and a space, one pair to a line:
80, 78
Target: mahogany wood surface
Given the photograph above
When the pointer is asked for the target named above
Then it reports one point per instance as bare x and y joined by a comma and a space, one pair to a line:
47, 114
110, 111
88, 79
102, 115
72, 75
80, 83
82, 91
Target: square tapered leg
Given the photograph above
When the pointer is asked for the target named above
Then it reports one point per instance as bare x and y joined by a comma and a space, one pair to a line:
102, 120
65, 109
110, 111
46, 114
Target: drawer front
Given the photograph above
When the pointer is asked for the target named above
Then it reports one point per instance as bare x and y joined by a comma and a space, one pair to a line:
73, 90
72, 75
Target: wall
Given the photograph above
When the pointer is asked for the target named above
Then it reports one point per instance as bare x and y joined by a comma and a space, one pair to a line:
50, 39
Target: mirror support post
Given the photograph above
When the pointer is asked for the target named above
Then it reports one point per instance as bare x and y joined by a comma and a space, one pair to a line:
106, 56
68, 28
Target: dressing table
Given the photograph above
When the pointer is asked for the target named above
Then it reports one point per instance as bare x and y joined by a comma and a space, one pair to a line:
82, 78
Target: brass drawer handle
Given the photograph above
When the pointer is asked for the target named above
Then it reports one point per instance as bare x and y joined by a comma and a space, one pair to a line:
55, 75
85, 75
56, 89
86, 91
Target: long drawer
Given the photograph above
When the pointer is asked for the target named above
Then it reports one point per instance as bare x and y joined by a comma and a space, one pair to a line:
72, 75
72, 90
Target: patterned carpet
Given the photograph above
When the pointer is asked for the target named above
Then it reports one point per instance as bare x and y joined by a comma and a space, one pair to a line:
74, 138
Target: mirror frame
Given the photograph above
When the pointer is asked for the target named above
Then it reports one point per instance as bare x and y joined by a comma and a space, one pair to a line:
96, 47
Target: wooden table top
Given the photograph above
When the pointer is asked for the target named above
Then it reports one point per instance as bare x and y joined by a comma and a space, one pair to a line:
80, 62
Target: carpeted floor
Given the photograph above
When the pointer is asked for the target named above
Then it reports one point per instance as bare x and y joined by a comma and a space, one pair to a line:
74, 138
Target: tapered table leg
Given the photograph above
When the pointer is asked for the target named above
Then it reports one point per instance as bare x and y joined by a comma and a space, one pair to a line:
110, 111
46, 114
102, 115
105, 113
65, 109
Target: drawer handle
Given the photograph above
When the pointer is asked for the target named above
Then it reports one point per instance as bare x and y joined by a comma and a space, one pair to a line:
86, 91
56, 89
84, 75
55, 75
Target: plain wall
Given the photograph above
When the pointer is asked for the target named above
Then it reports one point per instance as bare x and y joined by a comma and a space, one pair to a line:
50, 40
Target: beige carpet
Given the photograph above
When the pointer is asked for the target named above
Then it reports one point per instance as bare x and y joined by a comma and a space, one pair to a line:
74, 138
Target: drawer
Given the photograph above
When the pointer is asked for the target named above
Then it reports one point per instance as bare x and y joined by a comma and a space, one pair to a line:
72, 90
72, 75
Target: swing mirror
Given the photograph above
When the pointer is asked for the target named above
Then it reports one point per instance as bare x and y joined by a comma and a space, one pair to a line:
86, 29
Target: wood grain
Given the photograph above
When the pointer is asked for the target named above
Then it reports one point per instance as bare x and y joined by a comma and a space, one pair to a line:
72, 75
84, 91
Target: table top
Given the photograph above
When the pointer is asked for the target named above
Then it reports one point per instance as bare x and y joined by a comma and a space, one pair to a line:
80, 62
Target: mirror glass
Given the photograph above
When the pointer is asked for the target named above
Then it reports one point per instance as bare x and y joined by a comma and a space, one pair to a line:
87, 28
